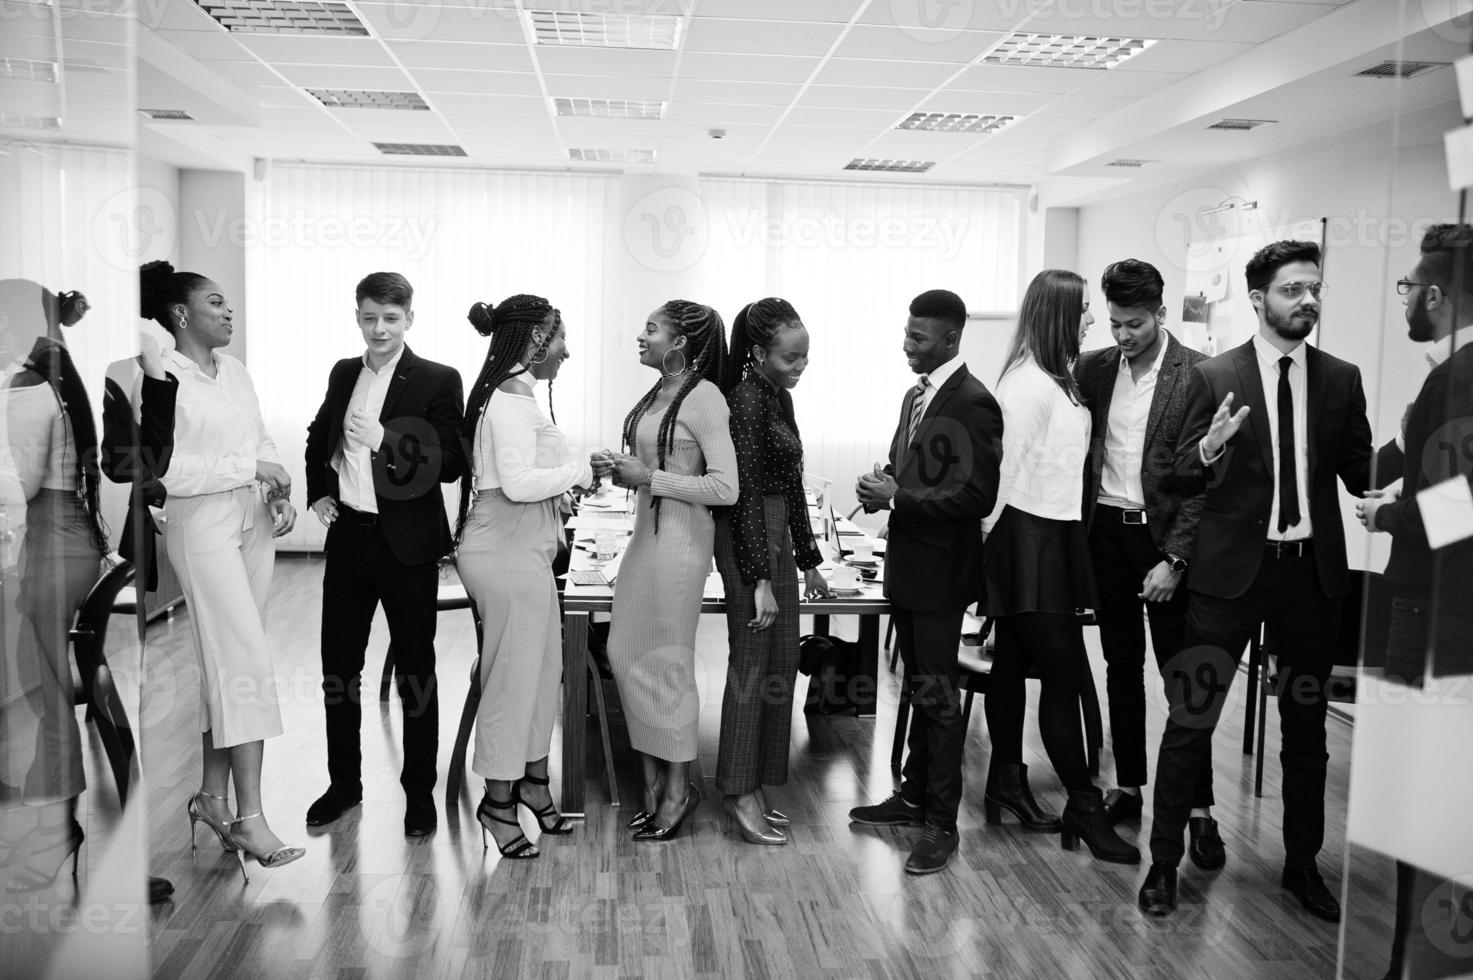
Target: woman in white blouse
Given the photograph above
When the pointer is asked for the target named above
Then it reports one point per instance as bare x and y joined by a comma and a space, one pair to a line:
1038, 573
220, 543
508, 537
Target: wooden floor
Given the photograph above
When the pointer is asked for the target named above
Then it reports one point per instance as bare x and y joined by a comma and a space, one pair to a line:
366, 902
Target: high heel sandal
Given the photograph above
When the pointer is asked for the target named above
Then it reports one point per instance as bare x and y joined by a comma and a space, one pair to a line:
285, 854
556, 822
750, 834
645, 816
30, 878
518, 847
653, 832
197, 814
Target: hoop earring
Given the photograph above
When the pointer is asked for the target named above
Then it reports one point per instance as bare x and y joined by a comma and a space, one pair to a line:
184, 323
540, 356
664, 363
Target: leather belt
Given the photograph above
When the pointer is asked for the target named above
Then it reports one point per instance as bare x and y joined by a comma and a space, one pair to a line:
1127, 516
1289, 549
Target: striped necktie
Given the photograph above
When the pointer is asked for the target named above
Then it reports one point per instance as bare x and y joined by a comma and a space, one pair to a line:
917, 407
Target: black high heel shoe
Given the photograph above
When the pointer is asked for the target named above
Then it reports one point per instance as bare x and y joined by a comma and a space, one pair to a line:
31, 878
548, 818
652, 832
518, 848
645, 816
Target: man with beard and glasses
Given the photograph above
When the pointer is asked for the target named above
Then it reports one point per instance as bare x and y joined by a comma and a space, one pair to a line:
1269, 549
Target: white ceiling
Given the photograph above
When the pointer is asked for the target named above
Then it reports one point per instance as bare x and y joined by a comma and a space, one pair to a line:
799, 86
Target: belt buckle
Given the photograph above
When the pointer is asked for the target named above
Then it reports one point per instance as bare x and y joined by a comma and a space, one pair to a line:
1291, 549
1134, 518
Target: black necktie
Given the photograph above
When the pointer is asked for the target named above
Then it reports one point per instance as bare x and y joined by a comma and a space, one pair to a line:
1288, 478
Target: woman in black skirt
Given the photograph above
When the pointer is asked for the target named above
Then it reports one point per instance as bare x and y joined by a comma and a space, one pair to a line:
756, 544
1038, 573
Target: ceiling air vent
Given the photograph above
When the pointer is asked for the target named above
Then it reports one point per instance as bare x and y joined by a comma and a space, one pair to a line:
178, 115
612, 156
890, 166
955, 122
609, 108
306, 17
1240, 124
344, 98
1066, 50
1401, 69
1129, 162
421, 149
600, 30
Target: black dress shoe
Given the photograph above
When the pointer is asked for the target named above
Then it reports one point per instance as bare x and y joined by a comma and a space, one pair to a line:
159, 889
331, 805
894, 811
1121, 806
934, 852
1307, 886
1158, 893
420, 817
1206, 848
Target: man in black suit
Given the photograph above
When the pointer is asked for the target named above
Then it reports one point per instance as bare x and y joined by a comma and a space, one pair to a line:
387, 435
1270, 548
1141, 526
940, 482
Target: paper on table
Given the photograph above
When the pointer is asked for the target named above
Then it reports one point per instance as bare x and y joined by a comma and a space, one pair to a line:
1447, 511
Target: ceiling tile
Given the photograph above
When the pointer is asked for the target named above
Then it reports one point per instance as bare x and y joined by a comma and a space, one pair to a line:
246, 72
468, 56
855, 97
719, 114
875, 120
455, 104
1253, 21
738, 93
209, 45
571, 60
819, 11
435, 20
605, 87
709, 34
477, 82
1084, 106
887, 44
337, 76
1185, 57
285, 49
987, 103
902, 74
749, 67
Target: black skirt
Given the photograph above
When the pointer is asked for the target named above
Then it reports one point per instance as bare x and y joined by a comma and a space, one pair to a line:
1036, 564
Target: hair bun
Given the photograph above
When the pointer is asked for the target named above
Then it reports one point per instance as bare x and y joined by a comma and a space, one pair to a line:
483, 318
152, 279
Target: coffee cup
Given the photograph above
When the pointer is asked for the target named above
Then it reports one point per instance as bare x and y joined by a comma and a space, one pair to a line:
863, 549
844, 577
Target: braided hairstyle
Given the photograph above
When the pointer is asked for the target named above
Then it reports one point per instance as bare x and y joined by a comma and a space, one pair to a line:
510, 327
160, 289
706, 358
757, 325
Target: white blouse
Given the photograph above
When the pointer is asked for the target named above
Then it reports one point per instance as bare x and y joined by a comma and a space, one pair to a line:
38, 440
1045, 439
521, 451
218, 431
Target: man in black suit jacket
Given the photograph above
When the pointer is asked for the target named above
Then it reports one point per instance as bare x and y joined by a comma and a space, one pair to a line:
1141, 526
387, 435
1270, 548
940, 482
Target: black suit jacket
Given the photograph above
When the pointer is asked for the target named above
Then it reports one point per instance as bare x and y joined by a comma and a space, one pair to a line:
139, 453
1171, 516
1239, 485
422, 414
947, 481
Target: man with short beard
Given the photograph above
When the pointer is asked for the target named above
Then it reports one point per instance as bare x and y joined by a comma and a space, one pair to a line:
1270, 549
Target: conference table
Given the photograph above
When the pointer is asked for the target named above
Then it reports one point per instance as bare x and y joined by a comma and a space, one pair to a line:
609, 511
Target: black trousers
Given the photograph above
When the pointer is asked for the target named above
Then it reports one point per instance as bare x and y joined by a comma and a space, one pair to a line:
932, 775
1122, 555
361, 573
1304, 625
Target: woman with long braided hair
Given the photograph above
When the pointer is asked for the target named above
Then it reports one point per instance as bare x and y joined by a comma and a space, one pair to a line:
507, 539
757, 542
681, 464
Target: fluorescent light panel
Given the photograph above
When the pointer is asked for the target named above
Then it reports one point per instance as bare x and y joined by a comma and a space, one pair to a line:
421, 149
890, 166
28, 70
598, 30
955, 122
1066, 50
612, 156
21, 120
609, 108
311, 17
345, 98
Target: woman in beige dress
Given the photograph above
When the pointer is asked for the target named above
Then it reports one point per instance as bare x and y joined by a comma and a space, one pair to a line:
682, 464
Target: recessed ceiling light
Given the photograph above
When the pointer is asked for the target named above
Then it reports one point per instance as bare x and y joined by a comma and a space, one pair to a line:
21, 120
610, 108
891, 166
955, 122
28, 70
1130, 162
421, 149
1065, 50
165, 114
612, 156
1241, 123
344, 98
658, 31
1400, 69
314, 17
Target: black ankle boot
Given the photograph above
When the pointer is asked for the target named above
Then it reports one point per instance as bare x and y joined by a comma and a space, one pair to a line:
1085, 819
1007, 789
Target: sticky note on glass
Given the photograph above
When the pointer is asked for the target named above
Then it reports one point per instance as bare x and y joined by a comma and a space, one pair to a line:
1447, 512
1458, 145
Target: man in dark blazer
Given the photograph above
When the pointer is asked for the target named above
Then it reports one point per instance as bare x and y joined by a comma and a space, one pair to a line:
387, 435
940, 482
1141, 525
1269, 427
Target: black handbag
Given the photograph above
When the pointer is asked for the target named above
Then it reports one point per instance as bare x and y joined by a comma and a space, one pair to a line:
827, 660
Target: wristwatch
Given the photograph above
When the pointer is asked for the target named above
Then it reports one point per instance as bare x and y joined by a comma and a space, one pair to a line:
1176, 564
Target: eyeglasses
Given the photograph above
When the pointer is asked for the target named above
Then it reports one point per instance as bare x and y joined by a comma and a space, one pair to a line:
1295, 290
1404, 286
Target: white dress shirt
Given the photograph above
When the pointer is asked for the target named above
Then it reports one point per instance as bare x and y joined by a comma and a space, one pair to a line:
935, 379
218, 431
1125, 433
354, 460
1045, 439
1268, 371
